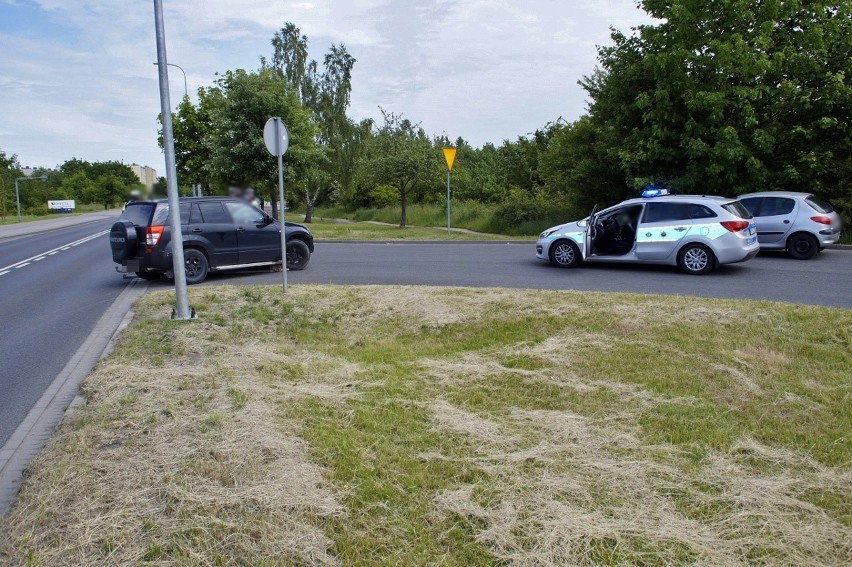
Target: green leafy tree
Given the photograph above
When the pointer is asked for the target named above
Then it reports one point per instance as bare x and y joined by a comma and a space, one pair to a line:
10, 169
238, 154
727, 96
401, 155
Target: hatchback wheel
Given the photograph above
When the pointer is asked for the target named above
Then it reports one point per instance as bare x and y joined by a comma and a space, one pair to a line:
196, 265
696, 259
802, 246
298, 255
565, 254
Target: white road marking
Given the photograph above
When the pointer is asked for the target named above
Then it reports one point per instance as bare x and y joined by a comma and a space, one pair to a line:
4, 273
41, 256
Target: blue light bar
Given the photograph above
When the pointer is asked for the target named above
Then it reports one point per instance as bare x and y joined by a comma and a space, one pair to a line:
654, 192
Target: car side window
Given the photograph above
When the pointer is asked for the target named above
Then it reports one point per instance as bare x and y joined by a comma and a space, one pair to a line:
752, 204
776, 206
663, 212
214, 213
162, 216
195, 215
697, 211
242, 213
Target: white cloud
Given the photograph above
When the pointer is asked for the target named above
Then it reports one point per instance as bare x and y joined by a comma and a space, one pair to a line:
483, 69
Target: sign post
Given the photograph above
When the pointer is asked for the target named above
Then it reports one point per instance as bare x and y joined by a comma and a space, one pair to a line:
450, 158
277, 140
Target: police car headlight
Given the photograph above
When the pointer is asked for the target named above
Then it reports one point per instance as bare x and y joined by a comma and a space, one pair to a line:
547, 233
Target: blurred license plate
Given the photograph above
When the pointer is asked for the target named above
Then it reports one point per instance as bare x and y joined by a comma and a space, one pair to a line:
751, 230
751, 240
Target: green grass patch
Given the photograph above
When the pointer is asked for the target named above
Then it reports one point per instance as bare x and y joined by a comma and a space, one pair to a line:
418, 426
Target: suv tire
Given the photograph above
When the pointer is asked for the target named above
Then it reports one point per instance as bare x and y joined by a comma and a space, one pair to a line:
298, 255
123, 240
565, 254
802, 246
696, 259
196, 264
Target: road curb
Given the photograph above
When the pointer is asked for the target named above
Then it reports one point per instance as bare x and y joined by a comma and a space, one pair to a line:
32, 434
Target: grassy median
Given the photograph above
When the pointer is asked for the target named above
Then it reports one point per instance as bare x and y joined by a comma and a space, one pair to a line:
344, 229
427, 426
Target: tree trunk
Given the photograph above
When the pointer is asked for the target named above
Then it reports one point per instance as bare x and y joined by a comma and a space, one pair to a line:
403, 198
274, 202
309, 207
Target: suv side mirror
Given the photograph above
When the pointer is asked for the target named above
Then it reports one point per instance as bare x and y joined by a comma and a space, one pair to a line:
267, 220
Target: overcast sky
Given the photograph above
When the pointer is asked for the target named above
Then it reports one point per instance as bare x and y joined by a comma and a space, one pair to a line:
77, 77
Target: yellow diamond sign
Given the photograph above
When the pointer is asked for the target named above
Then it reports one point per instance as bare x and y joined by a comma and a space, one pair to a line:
450, 156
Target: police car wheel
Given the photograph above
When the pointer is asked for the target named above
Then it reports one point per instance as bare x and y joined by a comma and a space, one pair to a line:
565, 254
696, 259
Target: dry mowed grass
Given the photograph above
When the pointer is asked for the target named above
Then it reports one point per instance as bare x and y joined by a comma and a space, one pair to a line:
435, 426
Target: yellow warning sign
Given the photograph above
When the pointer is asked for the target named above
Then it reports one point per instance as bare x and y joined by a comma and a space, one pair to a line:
450, 156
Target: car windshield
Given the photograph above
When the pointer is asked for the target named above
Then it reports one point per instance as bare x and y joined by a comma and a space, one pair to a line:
137, 213
736, 208
819, 205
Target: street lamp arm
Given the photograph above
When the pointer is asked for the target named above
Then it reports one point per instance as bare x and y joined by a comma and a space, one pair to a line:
185, 90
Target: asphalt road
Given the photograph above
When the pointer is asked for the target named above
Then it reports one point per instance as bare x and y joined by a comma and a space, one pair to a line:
825, 280
54, 287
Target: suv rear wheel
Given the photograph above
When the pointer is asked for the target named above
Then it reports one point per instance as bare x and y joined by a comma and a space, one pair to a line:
196, 264
696, 259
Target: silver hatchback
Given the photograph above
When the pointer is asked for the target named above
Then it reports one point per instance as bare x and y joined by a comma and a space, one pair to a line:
800, 223
694, 232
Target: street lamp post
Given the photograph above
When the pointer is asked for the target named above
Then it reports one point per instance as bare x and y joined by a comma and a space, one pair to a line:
185, 90
18, 194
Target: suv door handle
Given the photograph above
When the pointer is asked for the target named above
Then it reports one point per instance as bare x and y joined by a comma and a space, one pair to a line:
241, 229
680, 228
196, 230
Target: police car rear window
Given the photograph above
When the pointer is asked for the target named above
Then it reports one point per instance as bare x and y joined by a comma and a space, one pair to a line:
137, 213
736, 208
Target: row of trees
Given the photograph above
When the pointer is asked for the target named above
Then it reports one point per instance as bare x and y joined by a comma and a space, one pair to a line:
720, 97
108, 183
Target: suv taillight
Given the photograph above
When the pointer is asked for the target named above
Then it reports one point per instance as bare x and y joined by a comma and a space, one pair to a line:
735, 225
822, 220
153, 234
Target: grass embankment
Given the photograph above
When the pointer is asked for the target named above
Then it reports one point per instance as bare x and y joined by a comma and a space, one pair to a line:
414, 426
471, 215
342, 229
12, 217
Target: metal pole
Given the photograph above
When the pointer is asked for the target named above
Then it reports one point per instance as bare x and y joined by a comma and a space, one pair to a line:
278, 135
448, 201
178, 266
18, 200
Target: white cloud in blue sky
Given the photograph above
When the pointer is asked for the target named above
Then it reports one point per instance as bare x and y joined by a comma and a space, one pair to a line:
77, 77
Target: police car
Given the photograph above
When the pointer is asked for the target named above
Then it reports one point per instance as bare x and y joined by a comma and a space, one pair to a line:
696, 233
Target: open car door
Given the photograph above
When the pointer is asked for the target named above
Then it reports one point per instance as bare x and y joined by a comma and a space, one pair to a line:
589, 232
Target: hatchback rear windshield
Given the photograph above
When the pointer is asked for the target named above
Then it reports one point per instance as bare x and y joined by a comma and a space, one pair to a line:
736, 208
137, 213
819, 205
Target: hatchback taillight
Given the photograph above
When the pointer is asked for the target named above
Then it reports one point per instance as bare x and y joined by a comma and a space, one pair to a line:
822, 220
735, 225
153, 234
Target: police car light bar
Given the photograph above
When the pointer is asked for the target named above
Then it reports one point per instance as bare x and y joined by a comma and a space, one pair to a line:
648, 193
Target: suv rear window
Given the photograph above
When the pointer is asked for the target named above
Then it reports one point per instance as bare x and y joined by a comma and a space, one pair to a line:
736, 208
137, 213
819, 205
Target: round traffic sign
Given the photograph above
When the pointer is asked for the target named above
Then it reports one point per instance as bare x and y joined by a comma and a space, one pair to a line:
276, 136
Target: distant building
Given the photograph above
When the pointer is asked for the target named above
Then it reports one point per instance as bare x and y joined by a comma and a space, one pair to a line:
27, 171
147, 175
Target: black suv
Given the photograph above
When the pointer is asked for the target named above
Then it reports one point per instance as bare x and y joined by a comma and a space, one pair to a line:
219, 233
